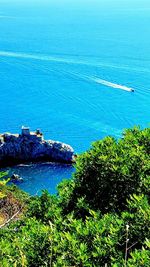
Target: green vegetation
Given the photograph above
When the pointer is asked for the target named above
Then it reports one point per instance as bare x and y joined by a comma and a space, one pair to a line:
12, 200
99, 218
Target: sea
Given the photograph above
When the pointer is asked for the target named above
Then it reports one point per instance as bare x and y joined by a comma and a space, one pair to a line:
69, 67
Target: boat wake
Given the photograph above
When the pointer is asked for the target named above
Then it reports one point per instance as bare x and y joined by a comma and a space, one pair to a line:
70, 60
6, 17
113, 85
38, 57
104, 82
64, 60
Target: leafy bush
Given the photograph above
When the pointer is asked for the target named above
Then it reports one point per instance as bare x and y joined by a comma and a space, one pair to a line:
111, 171
68, 241
139, 258
100, 217
25, 244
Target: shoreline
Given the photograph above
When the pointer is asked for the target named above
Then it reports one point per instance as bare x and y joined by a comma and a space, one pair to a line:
30, 147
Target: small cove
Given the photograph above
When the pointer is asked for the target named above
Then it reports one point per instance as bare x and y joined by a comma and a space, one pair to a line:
41, 176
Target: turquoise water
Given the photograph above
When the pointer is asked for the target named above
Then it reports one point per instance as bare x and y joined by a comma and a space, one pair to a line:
66, 66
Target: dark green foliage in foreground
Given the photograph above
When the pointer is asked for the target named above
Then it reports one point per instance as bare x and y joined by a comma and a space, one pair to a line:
110, 171
80, 227
67, 241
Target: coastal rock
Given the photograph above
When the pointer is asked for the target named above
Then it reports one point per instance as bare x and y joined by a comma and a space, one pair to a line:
30, 147
16, 178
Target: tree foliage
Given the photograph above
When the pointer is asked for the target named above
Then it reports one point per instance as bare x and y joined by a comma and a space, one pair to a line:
100, 217
111, 171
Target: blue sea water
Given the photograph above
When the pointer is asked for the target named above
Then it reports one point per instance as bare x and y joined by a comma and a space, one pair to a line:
38, 177
64, 66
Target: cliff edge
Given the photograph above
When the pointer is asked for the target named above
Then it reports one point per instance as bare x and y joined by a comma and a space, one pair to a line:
30, 147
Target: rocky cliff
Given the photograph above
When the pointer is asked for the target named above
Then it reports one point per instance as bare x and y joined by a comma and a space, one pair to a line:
31, 147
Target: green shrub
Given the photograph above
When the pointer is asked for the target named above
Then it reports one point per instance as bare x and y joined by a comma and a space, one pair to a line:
100, 217
26, 243
111, 171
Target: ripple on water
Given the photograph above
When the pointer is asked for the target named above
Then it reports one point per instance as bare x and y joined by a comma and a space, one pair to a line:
40, 176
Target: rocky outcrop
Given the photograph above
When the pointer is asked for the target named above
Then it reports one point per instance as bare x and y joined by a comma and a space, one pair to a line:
16, 178
30, 147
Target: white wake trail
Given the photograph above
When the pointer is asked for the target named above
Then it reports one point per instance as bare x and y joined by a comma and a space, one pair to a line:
38, 57
72, 60
113, 85
6, 17
64, 60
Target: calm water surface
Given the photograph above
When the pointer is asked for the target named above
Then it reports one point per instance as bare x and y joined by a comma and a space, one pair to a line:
60, 64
